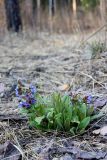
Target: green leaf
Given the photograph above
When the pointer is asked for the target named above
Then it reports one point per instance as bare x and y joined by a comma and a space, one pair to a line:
84, 123
58, 116
24, 111
38, 120
72, 131
66, 100
90, 110
97, 116
58, 121
82, 111
32, 124
75, 119
56, 102
67, 123
50, 113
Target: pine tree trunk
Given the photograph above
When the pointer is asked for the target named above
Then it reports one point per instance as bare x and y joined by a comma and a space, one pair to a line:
103, 11
52, 8
74, 6
14, 22
38, 11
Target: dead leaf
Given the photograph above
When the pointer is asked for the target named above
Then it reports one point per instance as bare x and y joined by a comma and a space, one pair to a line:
103, 131
64, 87
66, 157
100, 102
2, 148
92, 155
104, 109
9, 151
87, 155
97, 131
2, 87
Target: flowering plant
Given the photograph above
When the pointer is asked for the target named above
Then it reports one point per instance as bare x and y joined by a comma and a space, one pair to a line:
26, 95
65, 113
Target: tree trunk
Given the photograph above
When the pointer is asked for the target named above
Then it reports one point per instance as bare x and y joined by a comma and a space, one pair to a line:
34, 6
74, 6
38, 10
103, 11
14, 22
52, 7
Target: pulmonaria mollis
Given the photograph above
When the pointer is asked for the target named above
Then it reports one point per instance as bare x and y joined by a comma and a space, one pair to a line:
72, 113
78, 98
87, 99
25, 94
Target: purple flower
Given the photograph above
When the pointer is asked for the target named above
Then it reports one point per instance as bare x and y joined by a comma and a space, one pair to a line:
17, 92
89, 99
30, 99
26, 95
32, 89
33, 101
24, 104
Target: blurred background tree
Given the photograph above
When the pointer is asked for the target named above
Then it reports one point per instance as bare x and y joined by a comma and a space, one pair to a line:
13, 16
90, 4
57, 15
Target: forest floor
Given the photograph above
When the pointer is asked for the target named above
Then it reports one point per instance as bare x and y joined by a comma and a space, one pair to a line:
50, 61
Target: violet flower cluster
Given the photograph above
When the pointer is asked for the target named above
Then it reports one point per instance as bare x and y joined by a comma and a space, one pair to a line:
77, 98
26, 95
89, 99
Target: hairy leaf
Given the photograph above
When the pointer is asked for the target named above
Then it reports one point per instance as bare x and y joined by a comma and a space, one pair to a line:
38, 120
84, 123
